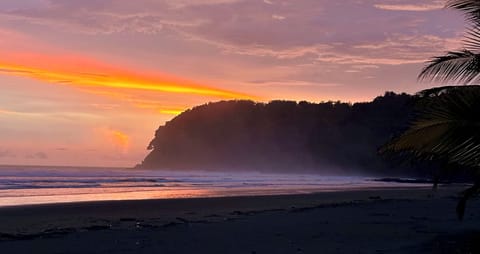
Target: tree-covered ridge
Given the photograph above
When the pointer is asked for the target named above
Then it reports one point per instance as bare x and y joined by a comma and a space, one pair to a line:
281, 135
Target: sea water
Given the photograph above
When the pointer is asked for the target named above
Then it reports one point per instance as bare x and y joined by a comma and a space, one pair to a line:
27, 185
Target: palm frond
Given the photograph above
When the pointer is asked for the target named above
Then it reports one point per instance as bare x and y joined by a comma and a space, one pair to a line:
448, 128
470, 8
463, 66
457, 66
472, 39
437, 91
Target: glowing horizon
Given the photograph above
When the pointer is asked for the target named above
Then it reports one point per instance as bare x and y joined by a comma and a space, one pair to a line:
109, 77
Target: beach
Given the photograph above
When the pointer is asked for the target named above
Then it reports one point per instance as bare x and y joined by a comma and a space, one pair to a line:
413, 220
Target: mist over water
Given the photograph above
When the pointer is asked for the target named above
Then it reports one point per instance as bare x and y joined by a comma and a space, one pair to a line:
43, 185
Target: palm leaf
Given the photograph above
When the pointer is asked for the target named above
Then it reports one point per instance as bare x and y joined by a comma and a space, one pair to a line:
470, 8
471, 11
463, 66
436, 91
447, 127
472, 39
457, 66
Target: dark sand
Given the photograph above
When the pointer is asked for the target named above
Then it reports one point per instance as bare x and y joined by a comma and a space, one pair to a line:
377, 221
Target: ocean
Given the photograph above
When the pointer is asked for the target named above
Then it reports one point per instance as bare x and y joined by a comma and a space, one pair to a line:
29, 185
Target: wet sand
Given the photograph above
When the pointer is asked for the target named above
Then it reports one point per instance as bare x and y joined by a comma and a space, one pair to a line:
374, 221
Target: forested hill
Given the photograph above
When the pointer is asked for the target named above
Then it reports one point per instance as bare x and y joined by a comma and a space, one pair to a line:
281, 135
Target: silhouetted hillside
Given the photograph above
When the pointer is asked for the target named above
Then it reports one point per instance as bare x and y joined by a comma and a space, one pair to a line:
281, 135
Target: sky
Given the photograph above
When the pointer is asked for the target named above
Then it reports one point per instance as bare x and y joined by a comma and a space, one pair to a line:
88, 82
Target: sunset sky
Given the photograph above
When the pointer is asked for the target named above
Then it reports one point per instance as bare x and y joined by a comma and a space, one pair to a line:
88, 82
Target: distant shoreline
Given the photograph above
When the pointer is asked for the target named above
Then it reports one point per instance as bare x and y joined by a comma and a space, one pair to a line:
410, 180
29, 186
224, 195
280, 194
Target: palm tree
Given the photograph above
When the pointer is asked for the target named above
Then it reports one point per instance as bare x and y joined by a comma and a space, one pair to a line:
447, 127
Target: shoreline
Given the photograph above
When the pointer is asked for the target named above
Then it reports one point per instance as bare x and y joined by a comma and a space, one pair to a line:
403, 218
153, 193
239, 194
149, 208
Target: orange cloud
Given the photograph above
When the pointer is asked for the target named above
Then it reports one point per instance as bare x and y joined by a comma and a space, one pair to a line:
84, 72
118, 139
14, 113
410, 7
121, 139
4, 112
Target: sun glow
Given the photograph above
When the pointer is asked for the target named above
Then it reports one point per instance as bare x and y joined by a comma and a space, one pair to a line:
170, 111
